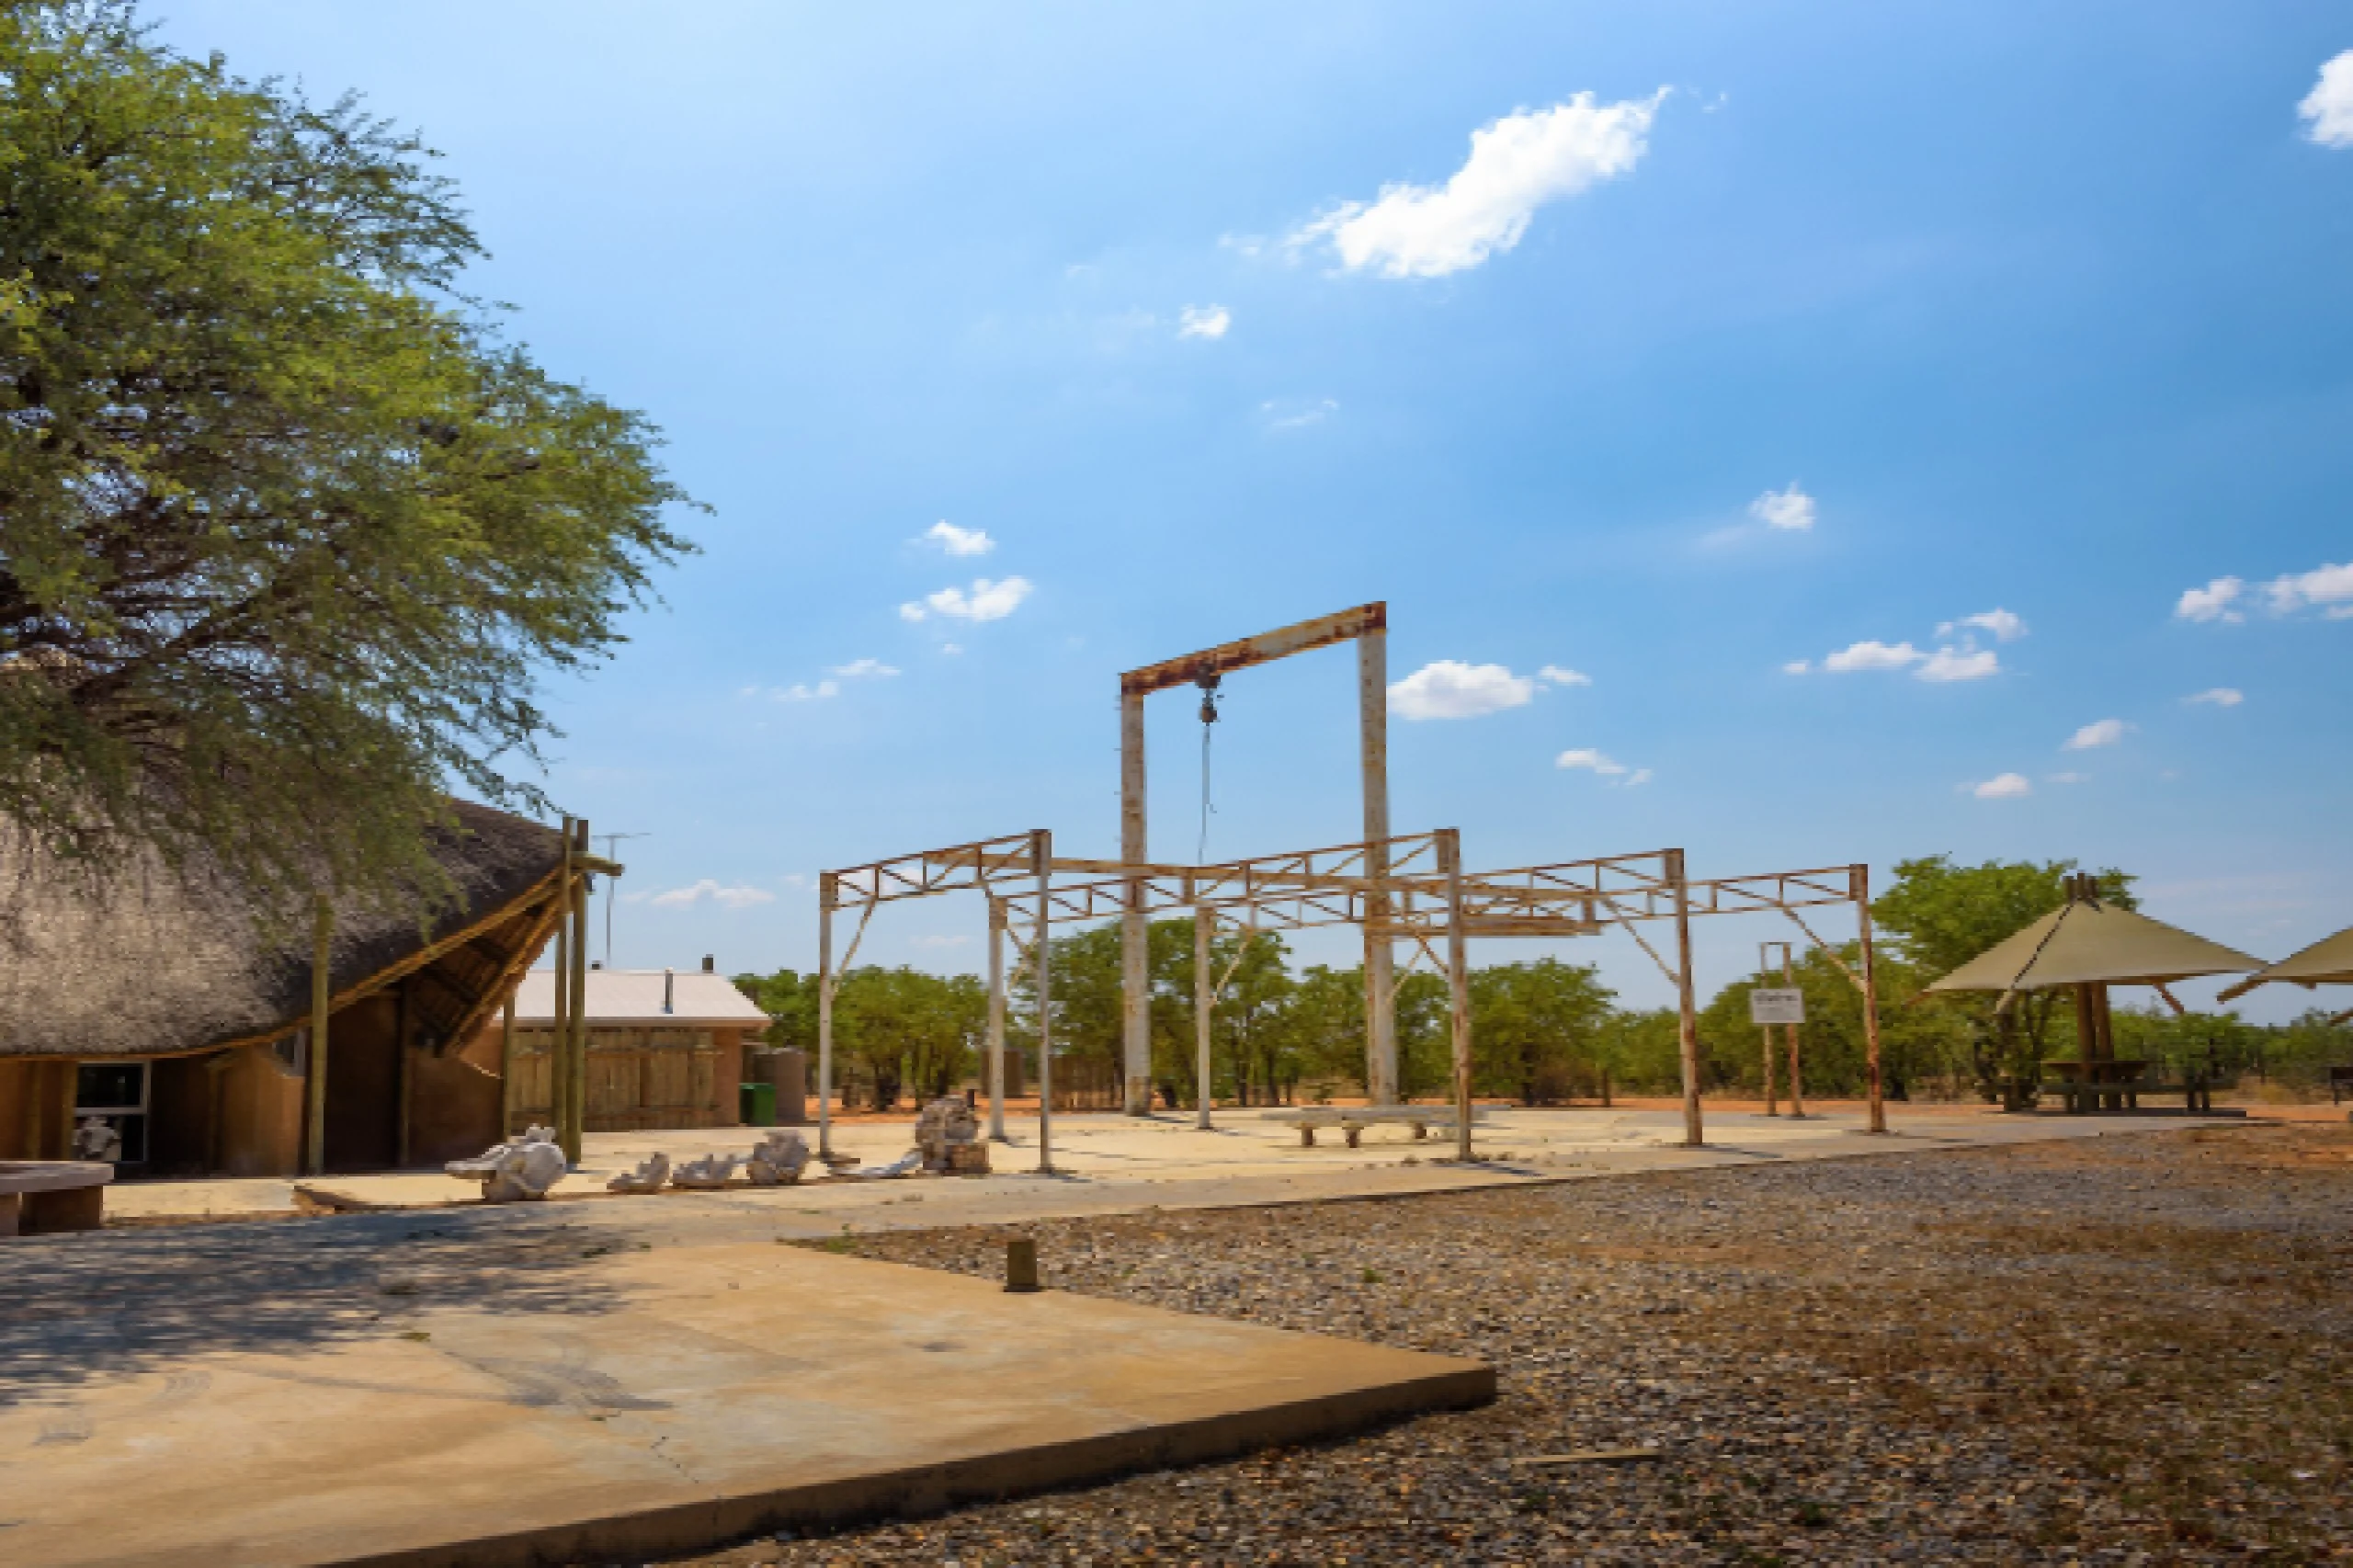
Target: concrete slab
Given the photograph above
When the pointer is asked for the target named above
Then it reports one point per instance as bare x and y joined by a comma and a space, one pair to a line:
358, 1394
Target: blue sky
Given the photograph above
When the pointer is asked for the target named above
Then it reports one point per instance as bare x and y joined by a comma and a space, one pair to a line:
1670, 345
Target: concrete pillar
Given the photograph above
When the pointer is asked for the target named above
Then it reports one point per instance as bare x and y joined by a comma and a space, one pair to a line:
1380, 999
1135, 953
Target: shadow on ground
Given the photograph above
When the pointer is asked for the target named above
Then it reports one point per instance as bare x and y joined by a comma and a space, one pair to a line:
84, 1309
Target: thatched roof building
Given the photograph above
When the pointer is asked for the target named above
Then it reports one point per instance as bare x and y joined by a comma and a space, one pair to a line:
162, 962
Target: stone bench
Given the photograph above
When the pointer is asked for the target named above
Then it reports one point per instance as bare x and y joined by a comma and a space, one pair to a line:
1353, 1119
37, 1197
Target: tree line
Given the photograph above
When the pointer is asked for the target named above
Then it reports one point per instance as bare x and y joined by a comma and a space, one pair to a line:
1544, 1031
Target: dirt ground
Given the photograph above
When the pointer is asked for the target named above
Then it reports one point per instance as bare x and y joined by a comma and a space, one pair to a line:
2128, 1350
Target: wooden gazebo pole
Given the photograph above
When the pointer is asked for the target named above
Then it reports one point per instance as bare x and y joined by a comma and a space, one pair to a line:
314, 1073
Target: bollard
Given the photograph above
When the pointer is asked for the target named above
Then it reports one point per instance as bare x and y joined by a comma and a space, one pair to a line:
1021, 1265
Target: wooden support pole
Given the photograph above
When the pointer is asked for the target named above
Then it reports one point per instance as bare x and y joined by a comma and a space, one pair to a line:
506, 1066
579, 1057
1458, 985
827, 891
1687, 1007
404, 1013
560, 988
1041, 965
997, 1021
314, 1073
1862, 886
1763, 950
1204, 1000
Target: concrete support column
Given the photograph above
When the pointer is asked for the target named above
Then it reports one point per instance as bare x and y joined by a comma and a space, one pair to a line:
1380, 985
1135, 952
826, 895
997, 1021
1204, 1004
1687, 1005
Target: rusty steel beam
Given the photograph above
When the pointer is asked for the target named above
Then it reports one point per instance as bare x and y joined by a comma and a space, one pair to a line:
1240, 654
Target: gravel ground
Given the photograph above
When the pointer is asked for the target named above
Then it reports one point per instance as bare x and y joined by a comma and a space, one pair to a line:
2133, 1349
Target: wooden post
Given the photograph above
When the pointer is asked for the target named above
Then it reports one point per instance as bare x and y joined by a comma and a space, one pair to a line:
402, 1075
1687, 1009
1797, 1077
996, 1020
506, 1067
826, 893
1863, 887
579, 1097
1763, 949
1042, 848
1204, 1000
560, 989
1458, 985
1380, 985
314, 1073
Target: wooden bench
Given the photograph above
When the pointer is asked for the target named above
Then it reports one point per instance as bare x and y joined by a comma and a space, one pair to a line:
38, 1196
1353, 1119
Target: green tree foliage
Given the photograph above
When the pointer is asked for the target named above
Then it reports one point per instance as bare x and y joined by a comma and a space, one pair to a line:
791, 999
896, 1031
1538, 1030
1937, 916
288, 533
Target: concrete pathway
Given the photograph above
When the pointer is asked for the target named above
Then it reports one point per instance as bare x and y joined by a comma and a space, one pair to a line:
1108, 1164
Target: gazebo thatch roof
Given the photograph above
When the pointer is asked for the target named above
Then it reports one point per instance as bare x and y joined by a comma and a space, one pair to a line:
161, 962
2328, 961
2085, 943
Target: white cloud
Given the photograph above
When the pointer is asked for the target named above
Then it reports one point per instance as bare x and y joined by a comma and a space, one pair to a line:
2100, 733
1204, 320
1517, 165
2212, 602
2002, 787
984, 601
1960, 664
959, 541
951, 649
1448, 688
2327, 588
865, 669
937, 941
1797, 668
1558, 675
1872, 655
2329, 106
1639, 776
797, 692
1791, 509
2221, 697
741, 896
2006, 627
2067, 779
1589, 758
1294, 415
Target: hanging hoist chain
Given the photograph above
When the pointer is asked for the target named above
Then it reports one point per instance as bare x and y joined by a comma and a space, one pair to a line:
1209, 718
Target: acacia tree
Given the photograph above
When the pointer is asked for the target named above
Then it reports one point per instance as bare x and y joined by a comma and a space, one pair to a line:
1939, 915
288, 533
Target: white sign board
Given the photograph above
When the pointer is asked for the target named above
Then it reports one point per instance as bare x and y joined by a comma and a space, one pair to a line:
1776, 1006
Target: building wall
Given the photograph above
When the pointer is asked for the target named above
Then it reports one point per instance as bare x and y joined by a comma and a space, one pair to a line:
36, 1108
638, 1077
258, 1096
453, 1108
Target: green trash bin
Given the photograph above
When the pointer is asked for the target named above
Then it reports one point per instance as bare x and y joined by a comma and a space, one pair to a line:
755, 1104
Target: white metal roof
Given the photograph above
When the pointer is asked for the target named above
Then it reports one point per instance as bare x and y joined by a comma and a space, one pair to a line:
634, 996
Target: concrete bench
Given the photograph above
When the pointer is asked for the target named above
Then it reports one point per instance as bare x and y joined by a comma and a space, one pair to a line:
41, 1196
1353, 1119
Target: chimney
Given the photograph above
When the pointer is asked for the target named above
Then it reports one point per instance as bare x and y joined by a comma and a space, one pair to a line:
710, 963
669, 980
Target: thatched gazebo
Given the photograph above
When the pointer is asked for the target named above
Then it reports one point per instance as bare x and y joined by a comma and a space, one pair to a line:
2086, 945
165, 1001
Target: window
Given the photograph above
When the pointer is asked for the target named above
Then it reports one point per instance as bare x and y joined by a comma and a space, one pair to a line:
115, 1093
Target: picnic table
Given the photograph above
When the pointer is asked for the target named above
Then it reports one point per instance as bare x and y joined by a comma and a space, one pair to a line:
2084, 1088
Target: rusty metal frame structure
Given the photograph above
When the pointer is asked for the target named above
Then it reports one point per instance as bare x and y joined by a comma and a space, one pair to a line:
930, 873
1367, 625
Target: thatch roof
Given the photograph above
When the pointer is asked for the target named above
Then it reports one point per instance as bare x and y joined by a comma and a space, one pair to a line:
160, 961
2328, 961
2083, 942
